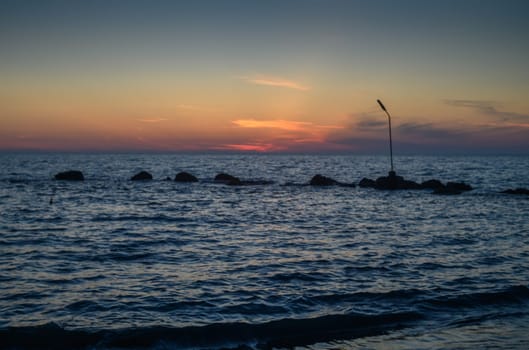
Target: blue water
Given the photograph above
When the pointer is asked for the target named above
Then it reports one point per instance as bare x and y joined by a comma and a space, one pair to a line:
112, 263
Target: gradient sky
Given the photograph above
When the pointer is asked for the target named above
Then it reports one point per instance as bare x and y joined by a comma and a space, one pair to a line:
276, 76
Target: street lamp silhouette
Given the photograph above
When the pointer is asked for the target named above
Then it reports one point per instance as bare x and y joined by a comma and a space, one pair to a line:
392, 172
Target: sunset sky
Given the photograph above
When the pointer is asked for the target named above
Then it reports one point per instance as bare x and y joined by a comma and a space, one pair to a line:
273, 76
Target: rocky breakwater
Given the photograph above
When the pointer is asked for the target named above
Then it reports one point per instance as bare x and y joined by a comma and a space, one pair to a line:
390, 182
320, 180
395, 182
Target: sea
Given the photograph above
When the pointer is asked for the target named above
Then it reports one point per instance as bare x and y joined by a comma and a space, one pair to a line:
110, 263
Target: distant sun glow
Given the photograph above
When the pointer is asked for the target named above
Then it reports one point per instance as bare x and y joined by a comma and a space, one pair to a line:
255, 147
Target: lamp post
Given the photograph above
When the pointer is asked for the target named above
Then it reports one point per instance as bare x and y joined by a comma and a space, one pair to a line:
392, 172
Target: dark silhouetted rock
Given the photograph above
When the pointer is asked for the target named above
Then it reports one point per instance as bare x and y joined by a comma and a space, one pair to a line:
390, 182
395, 182
320, 180
185, 177
519, 190
256, 182
411, 185
432, 184
222, 177
228, 179
453, 188
294, 184
141, 176
458, 186
71, 175
235, 181
365, 182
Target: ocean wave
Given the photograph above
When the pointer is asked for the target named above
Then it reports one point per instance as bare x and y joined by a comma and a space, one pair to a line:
255, 309
159, 218
422, 300
513, 295
280, 333
472, 320
85, 306
352, 270
117, 256
401, 295
298, 276
172, 306
127, 256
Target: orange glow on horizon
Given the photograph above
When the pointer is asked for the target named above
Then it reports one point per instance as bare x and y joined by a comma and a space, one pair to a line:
277, 124
250, 147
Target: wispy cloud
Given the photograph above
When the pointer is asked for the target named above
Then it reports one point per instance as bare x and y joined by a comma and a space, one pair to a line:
429, 131
371, 124
275, 124
490, 108
275, 82
484, 105
365, 122
365, 133
253, 147
278, 135
281, 124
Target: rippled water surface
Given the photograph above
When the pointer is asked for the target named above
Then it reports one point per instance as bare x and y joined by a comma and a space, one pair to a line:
109, 263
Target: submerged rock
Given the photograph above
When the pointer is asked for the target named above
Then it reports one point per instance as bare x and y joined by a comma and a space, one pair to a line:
185, 177
519, 190
256, 182
458, 186
235, 181
367, 183
453, 188
320, 180
411, 185
432, 184
141, 176
70, 175
228, 179
447, 191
